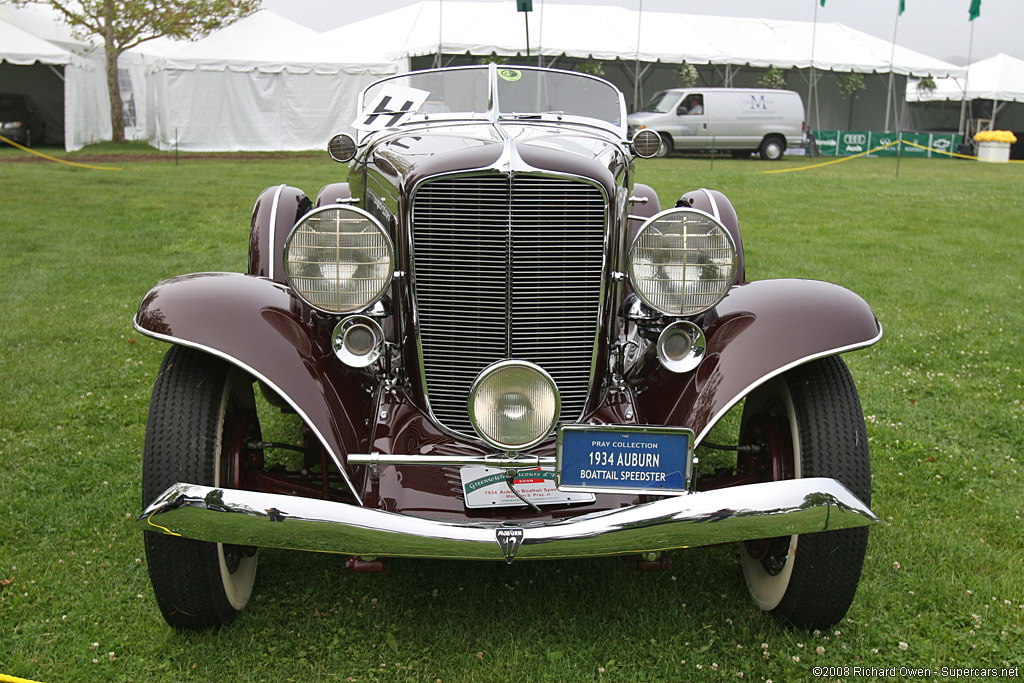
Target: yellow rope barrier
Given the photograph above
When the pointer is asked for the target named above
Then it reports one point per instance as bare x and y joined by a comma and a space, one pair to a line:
59, 161
13, 679
833, 161
954, 154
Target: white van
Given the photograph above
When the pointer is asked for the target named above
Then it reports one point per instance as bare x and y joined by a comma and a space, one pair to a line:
741, 120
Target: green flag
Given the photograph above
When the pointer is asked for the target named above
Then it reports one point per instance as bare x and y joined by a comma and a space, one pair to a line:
822, 3
975, 9
903, 5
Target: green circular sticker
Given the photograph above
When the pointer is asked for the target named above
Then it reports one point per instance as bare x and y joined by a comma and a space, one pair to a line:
510, 74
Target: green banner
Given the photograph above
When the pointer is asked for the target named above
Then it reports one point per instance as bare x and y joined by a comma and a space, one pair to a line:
851, 142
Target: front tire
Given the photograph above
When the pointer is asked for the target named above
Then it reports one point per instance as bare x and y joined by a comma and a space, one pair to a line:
666, 146
201, 416
772, 148
807, 423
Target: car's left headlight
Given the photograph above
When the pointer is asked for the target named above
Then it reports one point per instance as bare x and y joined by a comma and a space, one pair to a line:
339, 259
682, 262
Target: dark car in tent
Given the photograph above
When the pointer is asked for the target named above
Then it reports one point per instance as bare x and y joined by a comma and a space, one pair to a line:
496, 345
20, 120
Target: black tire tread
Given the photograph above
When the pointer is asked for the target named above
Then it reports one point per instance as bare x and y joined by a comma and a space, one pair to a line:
833, 443
181, 433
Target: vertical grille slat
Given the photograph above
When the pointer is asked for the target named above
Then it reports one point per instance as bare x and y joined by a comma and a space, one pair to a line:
470, 234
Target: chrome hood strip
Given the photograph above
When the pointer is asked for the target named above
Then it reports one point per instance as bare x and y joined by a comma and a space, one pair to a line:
726, 515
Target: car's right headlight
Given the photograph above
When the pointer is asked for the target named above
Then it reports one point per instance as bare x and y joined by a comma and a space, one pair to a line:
682, 262
339, 259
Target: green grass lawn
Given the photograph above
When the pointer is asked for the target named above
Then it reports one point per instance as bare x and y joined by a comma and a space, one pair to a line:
937, 251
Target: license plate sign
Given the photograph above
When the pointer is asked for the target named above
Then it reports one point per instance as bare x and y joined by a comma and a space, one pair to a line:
485, 487
623, 459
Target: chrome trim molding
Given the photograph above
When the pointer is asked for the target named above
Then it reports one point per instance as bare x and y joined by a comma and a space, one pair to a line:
273, 230
496, 460
741, 513
778, 371
263, 378
714, 205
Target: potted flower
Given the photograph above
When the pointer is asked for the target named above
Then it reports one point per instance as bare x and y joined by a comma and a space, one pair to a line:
994, 145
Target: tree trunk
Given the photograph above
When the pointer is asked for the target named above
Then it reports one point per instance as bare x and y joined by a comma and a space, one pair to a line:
113, 85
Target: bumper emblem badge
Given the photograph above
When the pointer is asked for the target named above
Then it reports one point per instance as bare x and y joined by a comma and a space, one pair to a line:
509, 538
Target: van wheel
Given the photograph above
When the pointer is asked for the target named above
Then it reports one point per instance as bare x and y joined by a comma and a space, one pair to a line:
772, 148
666, 146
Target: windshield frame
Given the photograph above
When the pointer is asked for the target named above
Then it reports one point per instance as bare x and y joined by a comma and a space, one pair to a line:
493, 113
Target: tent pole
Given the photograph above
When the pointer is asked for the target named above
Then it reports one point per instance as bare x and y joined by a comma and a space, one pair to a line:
440, 15
967, 90
636, 62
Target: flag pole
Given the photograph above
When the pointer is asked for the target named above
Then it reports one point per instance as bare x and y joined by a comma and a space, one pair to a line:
891, 95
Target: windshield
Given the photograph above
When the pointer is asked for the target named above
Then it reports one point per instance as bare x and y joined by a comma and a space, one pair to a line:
662, 102
484, 92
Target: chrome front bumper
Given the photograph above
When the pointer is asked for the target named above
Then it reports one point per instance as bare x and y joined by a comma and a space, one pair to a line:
735, 514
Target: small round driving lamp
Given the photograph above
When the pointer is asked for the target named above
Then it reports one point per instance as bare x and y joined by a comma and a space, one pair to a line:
646, 143
681, 346
339, 259
682, 262
342, 147
513, 405
358, 341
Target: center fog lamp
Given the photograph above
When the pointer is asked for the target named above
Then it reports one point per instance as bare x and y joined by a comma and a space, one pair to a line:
513, 405
339, 259
682, 262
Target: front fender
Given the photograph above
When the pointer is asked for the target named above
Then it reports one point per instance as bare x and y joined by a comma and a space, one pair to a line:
760, 330
255, 324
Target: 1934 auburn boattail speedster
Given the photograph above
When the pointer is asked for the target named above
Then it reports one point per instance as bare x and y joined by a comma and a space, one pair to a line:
501, 348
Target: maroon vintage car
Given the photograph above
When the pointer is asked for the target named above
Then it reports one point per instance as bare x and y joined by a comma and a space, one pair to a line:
501, 348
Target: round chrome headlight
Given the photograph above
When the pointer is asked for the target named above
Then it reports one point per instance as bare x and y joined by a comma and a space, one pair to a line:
682, 262
339, 259
513, 404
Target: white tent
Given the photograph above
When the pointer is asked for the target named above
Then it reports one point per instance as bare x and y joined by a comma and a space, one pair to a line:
999, 78
68, 88
264, 83
993, 86
610, 32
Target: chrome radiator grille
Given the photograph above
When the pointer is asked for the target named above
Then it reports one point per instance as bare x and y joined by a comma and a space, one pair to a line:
506, 269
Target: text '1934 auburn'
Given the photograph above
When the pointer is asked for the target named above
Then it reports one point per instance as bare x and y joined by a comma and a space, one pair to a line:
500, 347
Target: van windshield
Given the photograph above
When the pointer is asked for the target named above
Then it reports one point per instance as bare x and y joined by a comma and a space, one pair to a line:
662, 102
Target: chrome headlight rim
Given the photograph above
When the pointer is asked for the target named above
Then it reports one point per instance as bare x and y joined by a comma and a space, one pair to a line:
388, 243
684, 312
488, 372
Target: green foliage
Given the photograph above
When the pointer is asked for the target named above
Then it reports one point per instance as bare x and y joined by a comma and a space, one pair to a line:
592, 67
926, 85
934, 252
772, 78
494, 58
850, 84
688, 76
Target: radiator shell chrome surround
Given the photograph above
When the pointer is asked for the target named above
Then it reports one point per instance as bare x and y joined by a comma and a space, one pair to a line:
510, 167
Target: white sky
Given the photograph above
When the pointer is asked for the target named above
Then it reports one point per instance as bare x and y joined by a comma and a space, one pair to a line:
938, 28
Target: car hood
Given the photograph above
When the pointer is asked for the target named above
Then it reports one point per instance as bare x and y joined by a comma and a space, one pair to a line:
408, 156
